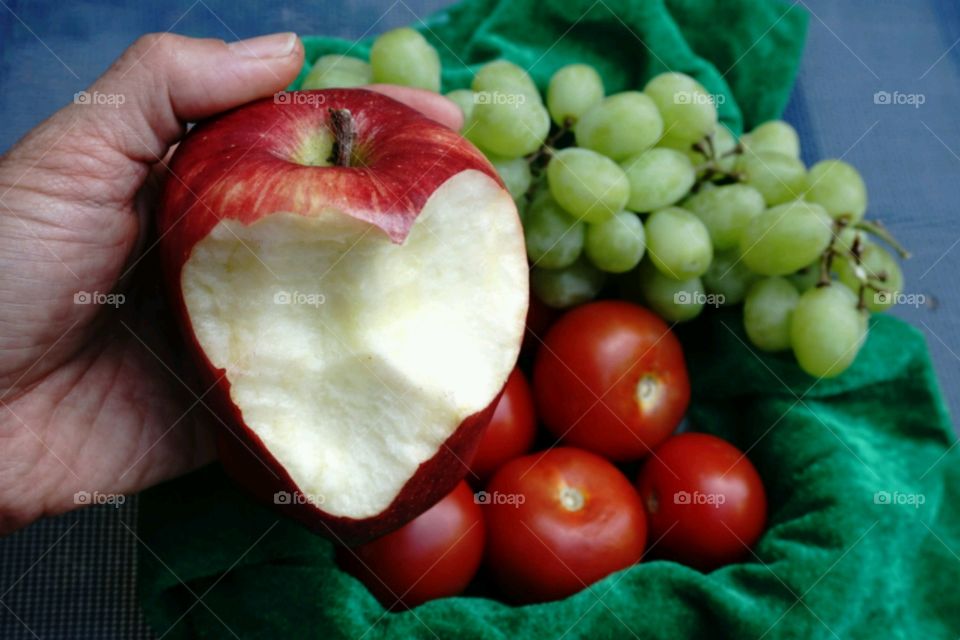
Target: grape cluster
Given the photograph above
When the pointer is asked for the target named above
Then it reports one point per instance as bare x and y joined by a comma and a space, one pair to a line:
648, 194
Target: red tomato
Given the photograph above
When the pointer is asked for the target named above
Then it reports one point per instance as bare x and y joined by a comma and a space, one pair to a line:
610, 378
558, 521
705, 500
511, 430
433, 556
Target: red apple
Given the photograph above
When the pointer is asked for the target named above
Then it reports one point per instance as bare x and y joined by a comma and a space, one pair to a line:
352, 279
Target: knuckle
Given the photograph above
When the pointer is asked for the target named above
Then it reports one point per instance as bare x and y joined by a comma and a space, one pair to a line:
153, 46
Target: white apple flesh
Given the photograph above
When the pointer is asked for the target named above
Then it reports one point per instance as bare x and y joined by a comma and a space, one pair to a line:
357, 322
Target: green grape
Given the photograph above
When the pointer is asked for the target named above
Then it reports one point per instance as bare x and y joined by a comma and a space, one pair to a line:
620, 126
465, 99
334, 71
554, 239
404, 57
776, 136
573, 90
805, 278
508, 129
540, 192
838, 188
672, 300
678, 243
589, 186
847, 237
877, 267
728, 278
658, 178
827, 330
767, 311
724, 142
686, 149
785, 238
726, 211
616, 245
503, 75
515, 173
780, 178
688, 111
561, 288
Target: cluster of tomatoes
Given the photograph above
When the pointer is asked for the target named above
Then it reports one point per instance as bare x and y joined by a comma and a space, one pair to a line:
610, 386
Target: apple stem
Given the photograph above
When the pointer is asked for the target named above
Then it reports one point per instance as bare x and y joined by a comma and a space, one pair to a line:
343, 136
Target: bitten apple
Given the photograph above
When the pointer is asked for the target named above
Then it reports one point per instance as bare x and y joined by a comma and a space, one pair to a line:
352, 278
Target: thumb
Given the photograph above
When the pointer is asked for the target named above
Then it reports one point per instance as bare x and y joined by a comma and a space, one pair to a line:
67, 189
164, 80
130, 116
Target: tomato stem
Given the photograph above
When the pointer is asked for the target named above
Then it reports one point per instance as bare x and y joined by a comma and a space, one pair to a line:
648, 392
572, 499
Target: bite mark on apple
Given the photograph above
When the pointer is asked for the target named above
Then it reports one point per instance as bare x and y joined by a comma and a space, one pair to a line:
354, 358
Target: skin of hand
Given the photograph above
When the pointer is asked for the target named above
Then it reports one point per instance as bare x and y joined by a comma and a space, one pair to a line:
95, 398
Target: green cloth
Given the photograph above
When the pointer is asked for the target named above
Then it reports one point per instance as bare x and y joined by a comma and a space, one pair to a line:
214, 564
745, 52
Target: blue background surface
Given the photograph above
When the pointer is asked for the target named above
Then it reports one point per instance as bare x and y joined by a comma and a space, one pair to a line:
73, 576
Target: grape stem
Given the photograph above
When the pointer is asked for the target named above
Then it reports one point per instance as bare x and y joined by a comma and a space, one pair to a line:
736, 151
826, 259
344, 135
539, 159
549, 145
878, 229
710, 170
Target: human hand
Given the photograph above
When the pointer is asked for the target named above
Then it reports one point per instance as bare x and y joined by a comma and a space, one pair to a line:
91, 399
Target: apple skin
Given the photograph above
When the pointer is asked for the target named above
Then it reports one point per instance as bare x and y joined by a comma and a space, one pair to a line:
252, 466
249, 147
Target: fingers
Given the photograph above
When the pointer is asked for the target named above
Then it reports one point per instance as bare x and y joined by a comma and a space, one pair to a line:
432, 105
165, 80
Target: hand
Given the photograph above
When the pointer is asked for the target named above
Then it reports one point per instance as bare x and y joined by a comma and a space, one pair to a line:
91, 397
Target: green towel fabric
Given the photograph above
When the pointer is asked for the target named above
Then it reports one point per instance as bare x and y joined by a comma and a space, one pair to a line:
745, 52
861, 471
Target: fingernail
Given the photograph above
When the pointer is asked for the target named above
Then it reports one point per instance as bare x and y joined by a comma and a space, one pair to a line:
277, 45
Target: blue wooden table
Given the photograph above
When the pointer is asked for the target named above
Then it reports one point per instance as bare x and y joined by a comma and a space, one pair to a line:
867, 65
